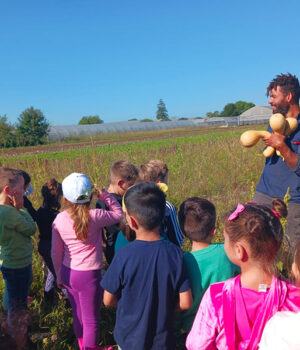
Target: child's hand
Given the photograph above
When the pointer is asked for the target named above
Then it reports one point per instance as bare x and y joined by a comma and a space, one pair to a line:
99, 190
17, 200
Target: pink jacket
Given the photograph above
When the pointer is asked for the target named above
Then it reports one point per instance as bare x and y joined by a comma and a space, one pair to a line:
82, 255
215, 324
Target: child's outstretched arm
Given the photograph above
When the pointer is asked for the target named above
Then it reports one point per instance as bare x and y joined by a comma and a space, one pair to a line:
185, 301
109, 299
114, 214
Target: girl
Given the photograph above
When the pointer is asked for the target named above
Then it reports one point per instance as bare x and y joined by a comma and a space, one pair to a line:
282, 331
77, 253
46, 214
232, 314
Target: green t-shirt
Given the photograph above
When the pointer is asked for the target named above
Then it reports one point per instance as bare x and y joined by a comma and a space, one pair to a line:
205, 266
16, 229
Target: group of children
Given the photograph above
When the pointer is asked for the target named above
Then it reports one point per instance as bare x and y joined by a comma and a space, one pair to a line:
218, 296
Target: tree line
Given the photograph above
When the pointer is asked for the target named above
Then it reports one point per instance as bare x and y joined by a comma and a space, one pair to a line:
231, 109
31, 127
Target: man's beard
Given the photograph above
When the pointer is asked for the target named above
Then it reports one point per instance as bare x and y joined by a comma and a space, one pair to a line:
282, 109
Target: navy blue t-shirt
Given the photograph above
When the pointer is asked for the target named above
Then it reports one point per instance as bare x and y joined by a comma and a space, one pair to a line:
147, 277
278, 176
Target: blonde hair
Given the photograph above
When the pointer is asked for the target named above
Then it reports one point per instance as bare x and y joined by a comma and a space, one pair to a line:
154, 170
80, 214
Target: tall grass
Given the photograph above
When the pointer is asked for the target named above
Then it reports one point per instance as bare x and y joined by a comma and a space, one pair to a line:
212, 166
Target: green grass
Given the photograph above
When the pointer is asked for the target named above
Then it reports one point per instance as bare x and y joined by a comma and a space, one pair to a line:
213, 166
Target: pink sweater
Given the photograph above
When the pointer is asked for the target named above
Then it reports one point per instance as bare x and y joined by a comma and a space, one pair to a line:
77, 254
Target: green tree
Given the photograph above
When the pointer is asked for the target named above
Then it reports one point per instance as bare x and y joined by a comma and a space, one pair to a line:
31, 127
7, 133
242, 106
162, 113
229, 111
212, 114
91, 119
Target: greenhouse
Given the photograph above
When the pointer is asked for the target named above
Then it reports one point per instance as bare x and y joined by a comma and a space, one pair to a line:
255, 115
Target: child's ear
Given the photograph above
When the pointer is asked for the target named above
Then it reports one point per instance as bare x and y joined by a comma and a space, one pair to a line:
133, 222
241, 252
7, 190
213, 232
120, 183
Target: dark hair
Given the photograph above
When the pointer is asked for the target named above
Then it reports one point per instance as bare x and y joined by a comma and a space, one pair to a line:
261, 228
147, 203
197, 218
26, 176
124, 170
52, 192
9, 177
288, 83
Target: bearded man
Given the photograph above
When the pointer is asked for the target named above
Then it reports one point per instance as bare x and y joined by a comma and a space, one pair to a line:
281, 173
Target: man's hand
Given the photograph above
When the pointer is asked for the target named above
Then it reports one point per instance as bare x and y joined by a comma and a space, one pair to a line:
275, 140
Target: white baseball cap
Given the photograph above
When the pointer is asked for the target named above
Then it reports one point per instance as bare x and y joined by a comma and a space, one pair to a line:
77, 188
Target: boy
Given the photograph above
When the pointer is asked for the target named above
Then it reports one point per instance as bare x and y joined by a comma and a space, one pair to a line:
16, 230
122, 175
157, 171
207, 263
146, 279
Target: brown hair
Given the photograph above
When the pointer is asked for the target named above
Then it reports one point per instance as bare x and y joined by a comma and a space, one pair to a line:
261, 228
153, 170
197, 218
9, 177
81, 217
288, 83
122, 169
52, 192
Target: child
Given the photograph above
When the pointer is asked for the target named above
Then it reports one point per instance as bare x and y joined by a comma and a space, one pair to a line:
146, 278
207, 263
122, 175
232, 314
282, 331
28, 189
45, 215
157, 171
77, 253
16, 230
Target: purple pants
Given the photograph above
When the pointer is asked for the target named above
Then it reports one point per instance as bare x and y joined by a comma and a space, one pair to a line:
85, 295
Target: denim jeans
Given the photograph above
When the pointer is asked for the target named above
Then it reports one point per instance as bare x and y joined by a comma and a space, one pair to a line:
17, 283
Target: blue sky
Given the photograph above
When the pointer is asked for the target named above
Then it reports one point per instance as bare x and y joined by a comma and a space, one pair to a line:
116, 59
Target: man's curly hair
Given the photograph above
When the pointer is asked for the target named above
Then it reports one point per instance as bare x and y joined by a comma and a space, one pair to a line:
288, 83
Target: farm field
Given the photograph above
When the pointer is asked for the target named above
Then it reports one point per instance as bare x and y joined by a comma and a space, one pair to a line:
212, 165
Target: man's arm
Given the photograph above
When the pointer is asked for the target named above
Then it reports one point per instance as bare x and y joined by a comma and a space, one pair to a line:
277, 141
109, 299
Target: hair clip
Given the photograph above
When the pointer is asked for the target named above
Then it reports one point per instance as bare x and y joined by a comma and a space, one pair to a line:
276, 214
239, 209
